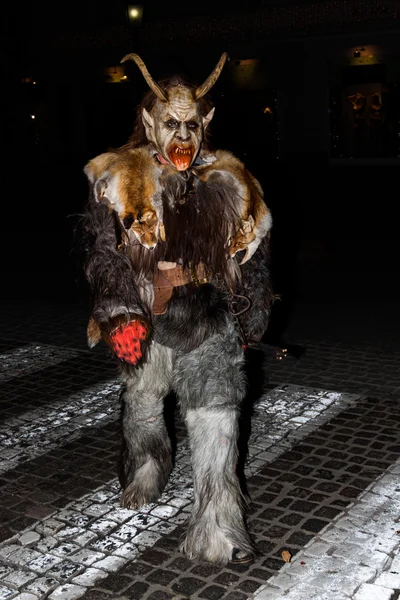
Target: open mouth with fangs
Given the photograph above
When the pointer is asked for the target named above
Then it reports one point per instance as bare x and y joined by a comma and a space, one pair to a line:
181, 157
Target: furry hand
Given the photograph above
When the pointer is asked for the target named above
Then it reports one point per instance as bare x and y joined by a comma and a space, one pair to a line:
126, 341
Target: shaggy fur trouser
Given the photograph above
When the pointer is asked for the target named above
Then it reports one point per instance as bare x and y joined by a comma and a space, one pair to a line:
210, 385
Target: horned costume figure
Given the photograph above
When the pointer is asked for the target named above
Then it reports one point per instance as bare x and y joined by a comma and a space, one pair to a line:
176, 256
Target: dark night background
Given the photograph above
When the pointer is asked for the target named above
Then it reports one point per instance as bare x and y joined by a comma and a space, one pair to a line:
333, 198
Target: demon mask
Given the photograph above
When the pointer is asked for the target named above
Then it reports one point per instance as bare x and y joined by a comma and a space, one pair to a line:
175, 124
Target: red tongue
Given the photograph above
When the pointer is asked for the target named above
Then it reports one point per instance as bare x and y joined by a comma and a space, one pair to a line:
181, 161
162, 160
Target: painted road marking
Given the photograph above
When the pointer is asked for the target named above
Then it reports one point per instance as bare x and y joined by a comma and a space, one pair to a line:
346, 558
82, 543
33, 357
35, 432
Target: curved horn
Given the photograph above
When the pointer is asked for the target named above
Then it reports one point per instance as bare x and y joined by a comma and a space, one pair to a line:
153, 85
209, 82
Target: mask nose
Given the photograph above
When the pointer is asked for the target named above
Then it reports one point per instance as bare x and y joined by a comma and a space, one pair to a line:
183, 133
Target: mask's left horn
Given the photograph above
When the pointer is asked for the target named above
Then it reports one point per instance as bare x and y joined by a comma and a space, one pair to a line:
210, 81
153, 85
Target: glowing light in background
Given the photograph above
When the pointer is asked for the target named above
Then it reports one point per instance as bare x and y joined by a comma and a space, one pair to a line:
135, 14
115, 74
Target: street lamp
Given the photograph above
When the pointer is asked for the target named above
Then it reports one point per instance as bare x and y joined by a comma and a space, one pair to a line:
135, 14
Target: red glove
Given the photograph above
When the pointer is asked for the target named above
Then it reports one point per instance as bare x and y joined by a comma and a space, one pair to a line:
126, 339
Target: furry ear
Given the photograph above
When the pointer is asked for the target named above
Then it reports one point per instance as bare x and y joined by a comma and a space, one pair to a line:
96, 172
98, 165
101, 186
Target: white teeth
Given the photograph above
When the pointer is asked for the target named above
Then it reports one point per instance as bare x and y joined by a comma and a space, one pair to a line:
182, 151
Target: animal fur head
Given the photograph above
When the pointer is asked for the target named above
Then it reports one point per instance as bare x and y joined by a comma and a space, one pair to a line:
128, 181
255, 217
176, 124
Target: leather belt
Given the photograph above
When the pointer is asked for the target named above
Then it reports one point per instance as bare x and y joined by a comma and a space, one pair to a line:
165, 280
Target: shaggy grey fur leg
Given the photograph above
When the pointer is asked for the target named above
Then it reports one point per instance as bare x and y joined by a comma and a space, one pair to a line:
211, 385
217, 525
147, 448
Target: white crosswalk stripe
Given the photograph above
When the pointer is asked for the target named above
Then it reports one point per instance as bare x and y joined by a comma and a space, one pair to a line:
30, 358
35, 432
345, 559
92, 537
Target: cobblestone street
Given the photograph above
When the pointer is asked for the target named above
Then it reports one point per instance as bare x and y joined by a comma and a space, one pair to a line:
322, 467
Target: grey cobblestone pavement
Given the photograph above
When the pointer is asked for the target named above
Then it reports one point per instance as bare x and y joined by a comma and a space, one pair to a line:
320, 449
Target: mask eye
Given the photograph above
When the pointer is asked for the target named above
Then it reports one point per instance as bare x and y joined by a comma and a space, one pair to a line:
172, 124
192, 125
